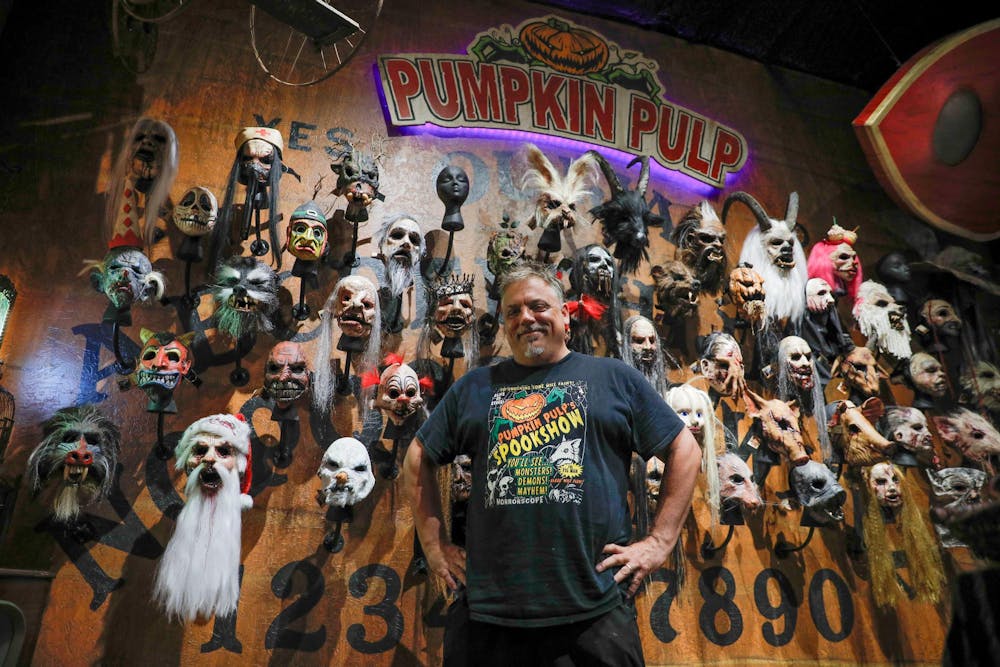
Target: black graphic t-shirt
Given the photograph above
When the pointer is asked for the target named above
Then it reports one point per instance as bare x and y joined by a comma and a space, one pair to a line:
551, 448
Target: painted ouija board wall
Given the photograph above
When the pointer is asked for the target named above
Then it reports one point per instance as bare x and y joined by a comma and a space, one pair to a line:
366, 604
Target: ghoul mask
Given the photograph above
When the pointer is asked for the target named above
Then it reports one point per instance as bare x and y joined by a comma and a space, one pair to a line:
461, 479
796, 361
506, 249
860, 372
981, 386
940, 318
245, 291
346, 473
818, 492
355, 306
722, 364
927, 375
676, 289
306, 236
971, 434
746, 289
165, 359
701, 239
819, 295
907, 428
454, 312
882, 321
79, 448
126, 276
885, 484
398, 394
286, 373
596, 271
400, 246
195, 214
953, 491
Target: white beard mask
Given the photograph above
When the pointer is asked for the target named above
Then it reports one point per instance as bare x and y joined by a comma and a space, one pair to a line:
882, 321
198, 574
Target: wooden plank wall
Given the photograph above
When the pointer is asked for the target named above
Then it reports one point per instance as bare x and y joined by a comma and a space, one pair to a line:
71, 107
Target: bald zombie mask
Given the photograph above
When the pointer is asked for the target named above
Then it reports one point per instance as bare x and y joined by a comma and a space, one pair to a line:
126, 276
355, 306
928, 377
286, 373
199, 572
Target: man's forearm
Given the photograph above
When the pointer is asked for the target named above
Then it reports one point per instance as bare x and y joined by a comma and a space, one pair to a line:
421, 489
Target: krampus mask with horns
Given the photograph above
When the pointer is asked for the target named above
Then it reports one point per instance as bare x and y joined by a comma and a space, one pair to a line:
774, 251
626, 217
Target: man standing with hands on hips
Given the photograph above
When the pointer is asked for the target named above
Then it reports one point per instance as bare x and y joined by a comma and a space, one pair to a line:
550, 571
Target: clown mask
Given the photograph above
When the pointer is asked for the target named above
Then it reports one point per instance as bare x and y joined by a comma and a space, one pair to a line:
355, 306
346, 473
286, 376
399, 393
197, 211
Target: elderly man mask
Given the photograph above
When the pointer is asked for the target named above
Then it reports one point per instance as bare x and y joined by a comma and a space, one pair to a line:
199, 572
882, 321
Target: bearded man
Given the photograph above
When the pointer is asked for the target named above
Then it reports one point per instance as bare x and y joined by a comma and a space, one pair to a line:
199, 572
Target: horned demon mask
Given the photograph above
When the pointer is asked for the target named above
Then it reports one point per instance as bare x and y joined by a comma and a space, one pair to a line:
164, 360
80, 448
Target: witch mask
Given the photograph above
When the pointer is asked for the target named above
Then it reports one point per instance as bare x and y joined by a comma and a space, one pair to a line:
286, 373
245, 291
80, 448
346, 473
306, 236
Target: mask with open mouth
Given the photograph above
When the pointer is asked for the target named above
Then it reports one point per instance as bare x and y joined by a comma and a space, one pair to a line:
818, 492
399, 393
746, 289
286, 373
455, 310
882, 321
80, 448
246, 296
676, 289
126, 277
217, 443
346, 473
355, 306
164, 361
701, 239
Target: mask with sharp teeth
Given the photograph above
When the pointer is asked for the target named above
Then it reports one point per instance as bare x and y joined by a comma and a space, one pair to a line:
355, 306
165, 359
286, 373
818, 492
598, 271
455, 310
676, 289
701, 239
245, 291
346, 473
195, 214
80, 448
126, 276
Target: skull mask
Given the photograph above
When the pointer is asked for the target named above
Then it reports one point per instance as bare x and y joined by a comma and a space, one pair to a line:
746, 288
845, 262
736, 484
246, 295
126, 276
860, 372
256, 158
796, 357
907, 427
928, 375
461, 478
940, 316
885, 483
722, 364
346, 473
355, 306
399, 393
676, 289
286, 375
197, 211
819, 295
817, 490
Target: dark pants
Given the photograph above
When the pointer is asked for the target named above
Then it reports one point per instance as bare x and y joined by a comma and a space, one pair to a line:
611, 639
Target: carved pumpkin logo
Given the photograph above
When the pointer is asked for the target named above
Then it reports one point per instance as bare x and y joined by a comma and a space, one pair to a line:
564, 48
522, 409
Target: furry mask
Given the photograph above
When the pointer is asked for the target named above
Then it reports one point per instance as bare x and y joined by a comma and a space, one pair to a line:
556, 196
126, 276
676, 289
778, 424
701, 240
882, 321
246, 296
358, 180
627, 216
80, 448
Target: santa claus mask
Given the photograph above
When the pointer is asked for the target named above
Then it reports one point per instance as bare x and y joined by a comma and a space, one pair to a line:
461, 479
197, 211
940, 317
819, 295
722, 365
346, 473
907, 427
642, 342
163, 361
306, 236
860, 371
795, 354
355, 306
286, 374
256, 157
886, 485
213, 453
845, 262
746, 288
399, 393
928, 375
455, 312
402, 242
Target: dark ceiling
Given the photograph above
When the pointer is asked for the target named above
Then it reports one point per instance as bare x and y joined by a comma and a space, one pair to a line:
859, 43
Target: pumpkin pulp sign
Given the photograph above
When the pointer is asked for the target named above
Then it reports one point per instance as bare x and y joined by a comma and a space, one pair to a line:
553, 77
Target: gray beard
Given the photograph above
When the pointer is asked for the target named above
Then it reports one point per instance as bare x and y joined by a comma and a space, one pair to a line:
874, 324
399, 274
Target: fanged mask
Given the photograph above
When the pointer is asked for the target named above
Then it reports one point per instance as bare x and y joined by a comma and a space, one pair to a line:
346, 473
286, 374
701, 239
817, 490
163, 361
598, 272
676, 289
746, 288
246, 296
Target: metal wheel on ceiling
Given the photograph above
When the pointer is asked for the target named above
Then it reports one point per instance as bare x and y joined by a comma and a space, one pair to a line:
303, 42
134, 29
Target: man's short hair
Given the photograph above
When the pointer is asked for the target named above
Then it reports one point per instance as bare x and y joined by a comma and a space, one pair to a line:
533, 269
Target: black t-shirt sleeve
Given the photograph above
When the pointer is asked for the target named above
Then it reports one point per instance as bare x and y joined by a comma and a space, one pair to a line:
655, 423
437, 433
